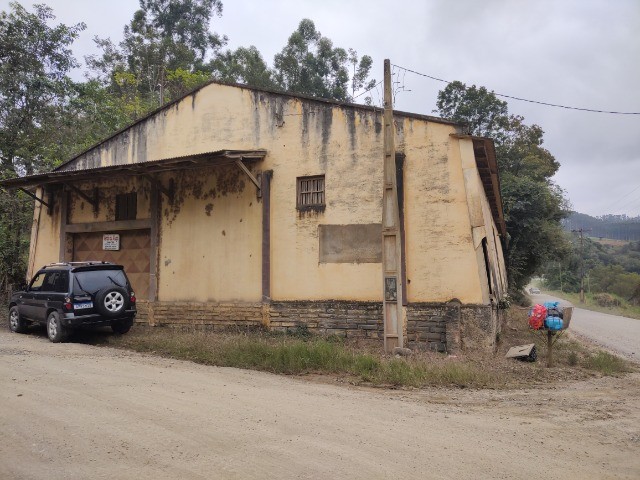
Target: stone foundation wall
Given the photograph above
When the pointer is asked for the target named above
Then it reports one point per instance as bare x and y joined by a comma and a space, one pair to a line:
331, 317
442, 327
216, 316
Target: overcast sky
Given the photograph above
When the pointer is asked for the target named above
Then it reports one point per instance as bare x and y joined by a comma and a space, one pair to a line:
583, 53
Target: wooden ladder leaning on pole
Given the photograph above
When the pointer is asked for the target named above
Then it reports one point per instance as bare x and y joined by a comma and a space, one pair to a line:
391, 254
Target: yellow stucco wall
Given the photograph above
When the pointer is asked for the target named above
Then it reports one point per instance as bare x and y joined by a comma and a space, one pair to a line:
441, 264
210, 245
80, 211
210, 239
45, 236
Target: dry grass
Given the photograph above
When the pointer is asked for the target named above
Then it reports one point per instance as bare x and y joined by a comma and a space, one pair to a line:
357, 362
571, 358
363, 362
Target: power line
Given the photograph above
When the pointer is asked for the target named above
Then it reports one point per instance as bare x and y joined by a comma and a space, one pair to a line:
367, 91
525, 99
622, 198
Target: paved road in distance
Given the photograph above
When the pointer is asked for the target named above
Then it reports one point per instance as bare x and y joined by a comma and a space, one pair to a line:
612, 332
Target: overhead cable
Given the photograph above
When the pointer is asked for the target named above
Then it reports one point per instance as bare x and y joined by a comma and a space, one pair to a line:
525, 99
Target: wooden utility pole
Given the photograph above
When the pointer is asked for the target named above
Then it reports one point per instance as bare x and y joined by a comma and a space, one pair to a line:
391, 241
581, 232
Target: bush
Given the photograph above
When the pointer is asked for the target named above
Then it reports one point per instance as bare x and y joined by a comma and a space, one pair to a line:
606, 300
607, 364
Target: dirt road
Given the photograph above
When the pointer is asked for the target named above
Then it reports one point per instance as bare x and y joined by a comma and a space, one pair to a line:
74, 411
615, 333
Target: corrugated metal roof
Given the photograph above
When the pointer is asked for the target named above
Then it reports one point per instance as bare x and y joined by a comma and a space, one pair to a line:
220, 157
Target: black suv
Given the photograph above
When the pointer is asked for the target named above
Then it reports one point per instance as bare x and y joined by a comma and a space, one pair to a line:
64, 296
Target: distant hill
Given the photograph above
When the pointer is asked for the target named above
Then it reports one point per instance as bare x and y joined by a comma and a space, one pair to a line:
616, 227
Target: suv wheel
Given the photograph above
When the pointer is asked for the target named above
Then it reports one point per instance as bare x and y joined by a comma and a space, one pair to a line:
16, 323
55, 331
112, 301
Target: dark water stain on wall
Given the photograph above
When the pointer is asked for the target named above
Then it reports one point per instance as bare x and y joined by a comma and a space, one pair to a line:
256, 116
276, 113
304, 134
140, 143
324, 124
193, 99
350, 114
229, 180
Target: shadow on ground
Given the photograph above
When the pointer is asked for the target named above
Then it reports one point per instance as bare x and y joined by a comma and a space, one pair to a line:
88, 336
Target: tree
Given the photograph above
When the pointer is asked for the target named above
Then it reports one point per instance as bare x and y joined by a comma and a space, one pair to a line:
482, 112
243, 65
35, 60
35, 96
533, 204
165, 41
309, 64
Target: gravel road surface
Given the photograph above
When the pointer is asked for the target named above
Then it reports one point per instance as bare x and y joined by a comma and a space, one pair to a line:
76, 411
615, 333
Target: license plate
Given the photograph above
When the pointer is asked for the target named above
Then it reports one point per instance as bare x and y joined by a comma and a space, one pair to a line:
80, 306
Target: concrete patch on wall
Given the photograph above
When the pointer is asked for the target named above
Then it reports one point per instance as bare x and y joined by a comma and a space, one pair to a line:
356, 243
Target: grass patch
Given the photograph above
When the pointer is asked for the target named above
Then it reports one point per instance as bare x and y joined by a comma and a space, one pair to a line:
292, 355
607, 364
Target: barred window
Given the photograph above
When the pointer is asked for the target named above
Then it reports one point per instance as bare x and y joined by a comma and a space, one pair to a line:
310, 191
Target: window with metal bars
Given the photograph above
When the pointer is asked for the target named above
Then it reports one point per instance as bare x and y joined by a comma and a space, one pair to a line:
310, 192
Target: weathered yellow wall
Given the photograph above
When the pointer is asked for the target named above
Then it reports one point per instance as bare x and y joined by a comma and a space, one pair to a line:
482, 225
80, 211
199, 262
441, 262
210, 238
47, 239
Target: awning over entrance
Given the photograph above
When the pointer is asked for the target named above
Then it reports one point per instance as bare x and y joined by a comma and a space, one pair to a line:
221, 157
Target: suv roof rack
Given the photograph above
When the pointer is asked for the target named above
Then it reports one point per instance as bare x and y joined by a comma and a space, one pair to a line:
72, 264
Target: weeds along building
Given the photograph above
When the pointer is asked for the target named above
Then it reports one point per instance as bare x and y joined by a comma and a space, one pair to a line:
239, 206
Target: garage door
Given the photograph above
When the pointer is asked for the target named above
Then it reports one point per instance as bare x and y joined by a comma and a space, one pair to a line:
133, 254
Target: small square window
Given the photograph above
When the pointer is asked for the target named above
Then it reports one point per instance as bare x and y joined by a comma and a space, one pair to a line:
127, 206
310, 192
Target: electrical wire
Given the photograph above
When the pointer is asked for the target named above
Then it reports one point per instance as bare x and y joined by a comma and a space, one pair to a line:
621, 198
366, 91
527, 100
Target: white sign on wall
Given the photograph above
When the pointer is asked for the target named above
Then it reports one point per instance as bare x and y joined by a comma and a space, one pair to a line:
111, 241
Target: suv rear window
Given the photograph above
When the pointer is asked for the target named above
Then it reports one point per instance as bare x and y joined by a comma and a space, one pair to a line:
93, 280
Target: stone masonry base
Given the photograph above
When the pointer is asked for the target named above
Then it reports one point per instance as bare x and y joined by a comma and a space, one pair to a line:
443, 327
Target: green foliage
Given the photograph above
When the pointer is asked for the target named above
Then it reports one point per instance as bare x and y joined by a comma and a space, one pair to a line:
482, 112
35, 60
606, 300
163, 54
618, 227
243, 65
309, 64
607, 364
608, 269
36, 105
294, 355
533, 204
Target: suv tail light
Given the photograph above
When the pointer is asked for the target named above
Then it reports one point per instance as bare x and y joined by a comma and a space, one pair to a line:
68, 306
133, 297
